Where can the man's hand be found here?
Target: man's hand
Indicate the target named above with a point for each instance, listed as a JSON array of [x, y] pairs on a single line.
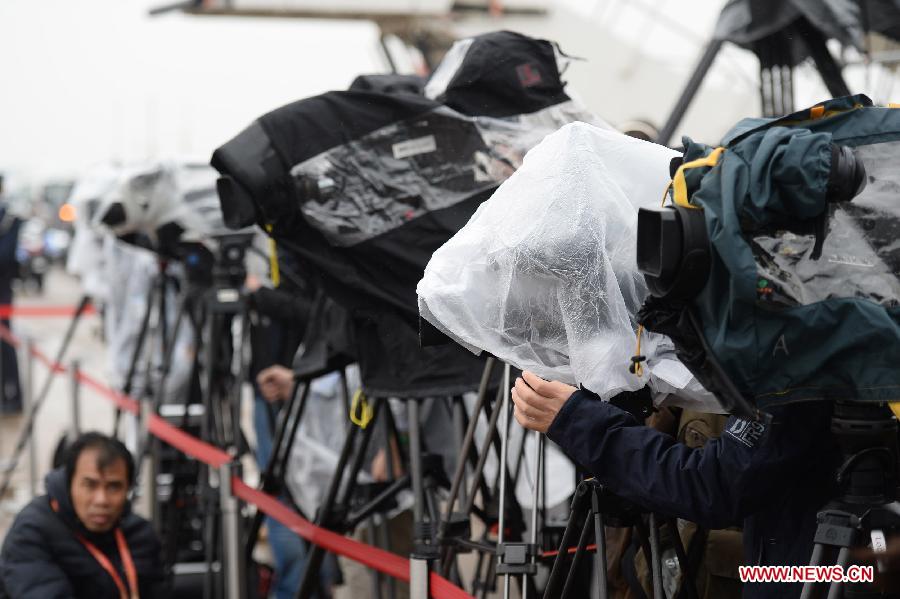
[[538, 401], [275, 383]]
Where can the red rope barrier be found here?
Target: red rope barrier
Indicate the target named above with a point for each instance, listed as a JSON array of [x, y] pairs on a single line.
[[36, 311], [373, 557]]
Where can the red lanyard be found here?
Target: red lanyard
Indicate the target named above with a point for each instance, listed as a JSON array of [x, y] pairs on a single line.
[[127, 563]]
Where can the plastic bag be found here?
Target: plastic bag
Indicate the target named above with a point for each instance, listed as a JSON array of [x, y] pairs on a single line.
[[544, 274]]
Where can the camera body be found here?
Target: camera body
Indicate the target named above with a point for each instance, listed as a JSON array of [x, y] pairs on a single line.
[[789, 291]]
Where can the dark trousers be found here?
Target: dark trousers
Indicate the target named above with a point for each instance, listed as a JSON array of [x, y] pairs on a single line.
[[10, 390]]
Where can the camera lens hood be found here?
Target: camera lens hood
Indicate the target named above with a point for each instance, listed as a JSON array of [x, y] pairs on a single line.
[[673, 251]]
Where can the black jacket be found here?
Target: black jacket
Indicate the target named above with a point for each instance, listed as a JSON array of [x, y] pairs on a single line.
[[41, 557], [771, 479]]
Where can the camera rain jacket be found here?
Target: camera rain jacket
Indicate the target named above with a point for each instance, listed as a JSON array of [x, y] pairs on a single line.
[[42, 556], [785, 322], [771, 478]]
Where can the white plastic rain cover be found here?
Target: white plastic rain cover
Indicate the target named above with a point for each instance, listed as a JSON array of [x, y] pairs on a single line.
[[544, 274]]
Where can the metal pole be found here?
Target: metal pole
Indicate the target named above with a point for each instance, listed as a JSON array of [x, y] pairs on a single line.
[[502, 466], [231, 534], [76, 399], [29, 403], [418, 567], [146, 412], [538, 467], [459, 426], [690, 90], [655, 558], [600, 554]]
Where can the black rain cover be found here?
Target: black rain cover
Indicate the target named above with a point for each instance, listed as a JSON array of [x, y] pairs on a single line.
[[364, 186]]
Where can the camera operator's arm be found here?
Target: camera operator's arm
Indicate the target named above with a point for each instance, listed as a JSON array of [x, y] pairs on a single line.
[[275, 383], [716, 486]]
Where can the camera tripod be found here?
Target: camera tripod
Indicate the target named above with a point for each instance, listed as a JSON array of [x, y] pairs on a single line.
[[347, 504], [212, 306], [593, 509], [867, 508], [498, 505]]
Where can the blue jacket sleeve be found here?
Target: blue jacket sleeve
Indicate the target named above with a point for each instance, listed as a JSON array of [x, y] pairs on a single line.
[[715, 486]]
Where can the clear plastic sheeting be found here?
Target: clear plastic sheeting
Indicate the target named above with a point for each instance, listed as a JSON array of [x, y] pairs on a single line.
[[377, 183], [544, 274], [86, 258], [135, 270], [861, 253], [152, 196]]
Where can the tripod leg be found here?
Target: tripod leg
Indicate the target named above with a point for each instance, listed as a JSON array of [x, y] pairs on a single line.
[[536, 495], [655, 558], [419, 562], [146, 442], [459, 428], [600, 553], [504, 431], [836, 591], [687, 578], [384, 539], [135, 355], [457, 488], [272, 479], [478, 473], [310, 580], [818, 554], [579, 552], [377, 577], [488, 583], [579, 505]]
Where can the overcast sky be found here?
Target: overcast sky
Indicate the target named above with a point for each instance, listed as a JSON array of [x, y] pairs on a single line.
[[91, 80], [88, 81]]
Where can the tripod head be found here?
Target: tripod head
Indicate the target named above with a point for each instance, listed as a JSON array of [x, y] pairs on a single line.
[[865, 507], [867, 435]]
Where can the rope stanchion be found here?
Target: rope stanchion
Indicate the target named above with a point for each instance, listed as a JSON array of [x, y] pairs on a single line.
[[374, 557]]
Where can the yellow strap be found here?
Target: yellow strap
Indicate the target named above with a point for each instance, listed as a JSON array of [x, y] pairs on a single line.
[[666, 194], [361, 412], [893, 105], [638, 367], [273, 263], [818, 112], [274, 272], [895, 408], [680, 185]]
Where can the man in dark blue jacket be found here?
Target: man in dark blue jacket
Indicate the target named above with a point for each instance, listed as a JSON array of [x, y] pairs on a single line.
[[81, 539], [769, 478], [10, 392]]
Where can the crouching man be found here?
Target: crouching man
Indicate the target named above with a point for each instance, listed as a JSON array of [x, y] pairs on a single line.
[[81, 539]]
